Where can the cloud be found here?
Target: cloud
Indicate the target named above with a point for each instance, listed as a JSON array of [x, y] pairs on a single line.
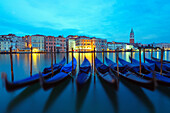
[[110, 19]]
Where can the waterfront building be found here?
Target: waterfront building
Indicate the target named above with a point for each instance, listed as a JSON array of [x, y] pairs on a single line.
[[122, 46], [37, 42], [110, 46], [20, 44], [87, 44], [72, 36], [9, 36], [16, 42], [5, 44], [83, 43], [26, 40], [50, 43], [60, 44], [161, 45], [132, 36], [99, 44], [71, 42]]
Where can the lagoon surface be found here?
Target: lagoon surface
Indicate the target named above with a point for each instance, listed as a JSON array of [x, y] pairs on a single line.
[[65, 98]]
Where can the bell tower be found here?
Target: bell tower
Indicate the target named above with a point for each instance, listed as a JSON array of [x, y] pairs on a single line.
[[132, 36]]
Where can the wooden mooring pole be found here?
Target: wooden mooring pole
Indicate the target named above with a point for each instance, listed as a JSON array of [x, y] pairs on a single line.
[[31, 63], [94, 60], [144, 55], [131, 54], [72, 62], [140, 70], [52, 62], [162, 52], [152, 52], [91, 62], [67, 51], [103, 55], [12, 73], [117, 57], [79, 58], [55, 55]]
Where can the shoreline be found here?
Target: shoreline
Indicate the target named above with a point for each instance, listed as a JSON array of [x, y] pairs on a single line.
[[71, 51]]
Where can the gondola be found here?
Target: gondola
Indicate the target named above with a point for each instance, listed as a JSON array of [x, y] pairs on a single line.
[[165, 67], [158, 60], [161, 80], [58, 78], [150, 67], [132, 77], [55, 66], [134, 67], [104, 73], [84, 74], [12, 86]]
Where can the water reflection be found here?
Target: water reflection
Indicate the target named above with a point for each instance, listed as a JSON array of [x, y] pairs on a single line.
[[140, 95], [26, 93], [55, 93], [81, 95], [112, 94], [77, 101], [164, 90]]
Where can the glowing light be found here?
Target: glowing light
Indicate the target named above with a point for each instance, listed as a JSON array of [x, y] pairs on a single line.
[[35, 50], [165, 55], [157, 54]]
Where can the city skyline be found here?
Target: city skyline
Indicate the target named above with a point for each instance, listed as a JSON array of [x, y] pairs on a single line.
[[111, 20]]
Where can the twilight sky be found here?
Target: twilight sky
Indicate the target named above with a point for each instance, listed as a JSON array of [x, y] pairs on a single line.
[[109, 19]]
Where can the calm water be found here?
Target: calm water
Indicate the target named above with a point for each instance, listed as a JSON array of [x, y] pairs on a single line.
[[65, 99]]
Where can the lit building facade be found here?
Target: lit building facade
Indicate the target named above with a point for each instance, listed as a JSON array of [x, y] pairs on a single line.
[[71, 42], [37, 42], [122, 46], [99, 44], [87, 44], [83, 43]]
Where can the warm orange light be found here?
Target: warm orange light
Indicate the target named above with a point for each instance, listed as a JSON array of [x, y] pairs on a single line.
[[35, 50]]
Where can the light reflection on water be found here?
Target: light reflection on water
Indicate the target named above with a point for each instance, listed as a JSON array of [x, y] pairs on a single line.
[[97, 97]]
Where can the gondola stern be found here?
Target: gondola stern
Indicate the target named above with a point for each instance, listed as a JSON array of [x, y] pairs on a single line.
[[117, 84], [7, 84], [42, 81], [155, 84]]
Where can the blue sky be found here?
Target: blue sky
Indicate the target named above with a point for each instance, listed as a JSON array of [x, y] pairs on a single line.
[[109, 19]]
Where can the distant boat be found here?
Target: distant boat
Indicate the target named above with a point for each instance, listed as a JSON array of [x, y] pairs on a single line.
[[165, 67], [131, 77], [158, 60], [64, 74], [12, 86], [161, 80], [84, 73], [151, 67], [105, 74]]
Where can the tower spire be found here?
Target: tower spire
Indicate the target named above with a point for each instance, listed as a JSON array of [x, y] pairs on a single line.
[[131, 30]]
